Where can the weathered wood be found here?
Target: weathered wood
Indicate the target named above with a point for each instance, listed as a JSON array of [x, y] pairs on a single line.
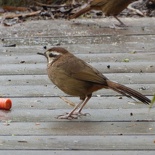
[[51, 90], [99, 115], [114, 126], [31, 58], [111, 102], [75, 152], [73, 128], [126, 42], [78, 142], [124, 78], [106, 48], [116, 67], [80, 28]]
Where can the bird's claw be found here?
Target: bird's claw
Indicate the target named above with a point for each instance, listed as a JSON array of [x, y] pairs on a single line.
[[118, 26], [70, 116]]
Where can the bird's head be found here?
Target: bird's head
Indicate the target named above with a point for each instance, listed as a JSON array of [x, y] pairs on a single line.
[[54, 53]]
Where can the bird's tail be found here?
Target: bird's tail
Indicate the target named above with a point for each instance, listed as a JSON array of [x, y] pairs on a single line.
[[79, 13], [127, 92]]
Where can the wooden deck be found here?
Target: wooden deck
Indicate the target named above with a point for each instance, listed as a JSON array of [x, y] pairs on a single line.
[[114, 126]]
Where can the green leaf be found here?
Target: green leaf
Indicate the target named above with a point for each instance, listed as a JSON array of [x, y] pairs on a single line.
[[126, 60], [133, 52], [152, 101]]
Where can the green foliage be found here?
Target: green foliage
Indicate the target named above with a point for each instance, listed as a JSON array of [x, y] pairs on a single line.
[[152, 101]]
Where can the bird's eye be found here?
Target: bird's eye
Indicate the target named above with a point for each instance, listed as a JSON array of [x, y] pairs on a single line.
[[52, 55]]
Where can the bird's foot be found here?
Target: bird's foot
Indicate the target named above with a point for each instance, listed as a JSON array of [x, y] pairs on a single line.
[[74, 115], [119, 26], [67, 116], [78, 113]]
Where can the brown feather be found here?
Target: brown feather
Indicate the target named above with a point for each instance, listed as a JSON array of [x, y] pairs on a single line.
[[108, 7], [127, 91]]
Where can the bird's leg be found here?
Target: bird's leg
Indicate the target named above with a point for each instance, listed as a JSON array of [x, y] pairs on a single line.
[[75, 113], [84, 103], [118, 26], [121, 23], [72, 114]]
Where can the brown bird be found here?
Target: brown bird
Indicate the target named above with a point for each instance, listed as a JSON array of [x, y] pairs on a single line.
[[109, 7], [75, 77]]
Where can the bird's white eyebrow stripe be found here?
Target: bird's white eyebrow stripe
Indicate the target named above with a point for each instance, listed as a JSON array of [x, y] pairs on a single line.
[[55, 52]]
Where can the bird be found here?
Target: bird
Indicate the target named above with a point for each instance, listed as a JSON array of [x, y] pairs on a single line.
[[77, 78], [109, 7]]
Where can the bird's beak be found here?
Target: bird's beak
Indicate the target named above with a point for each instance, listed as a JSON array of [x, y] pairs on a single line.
[[41, 53], [44, 54]]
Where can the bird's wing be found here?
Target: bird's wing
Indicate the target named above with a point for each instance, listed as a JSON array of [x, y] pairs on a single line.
[[82, 71]]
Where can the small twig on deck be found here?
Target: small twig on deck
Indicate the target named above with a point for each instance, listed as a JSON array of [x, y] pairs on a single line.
[[135, 10], [22, 15], [67, 101], [13, 8]]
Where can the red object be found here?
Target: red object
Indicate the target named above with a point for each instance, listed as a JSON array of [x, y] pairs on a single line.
[[5, 103]]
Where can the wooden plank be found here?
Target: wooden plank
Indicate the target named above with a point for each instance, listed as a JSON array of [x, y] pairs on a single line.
[[125, 42], [72, 128], [124, 78], [116, 67], [137, 143], [81, 27], [114, 126], [52, 91], [75, 152], [78, 33], [99, 115], [32, 58], [41, 103], [112, 47]]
